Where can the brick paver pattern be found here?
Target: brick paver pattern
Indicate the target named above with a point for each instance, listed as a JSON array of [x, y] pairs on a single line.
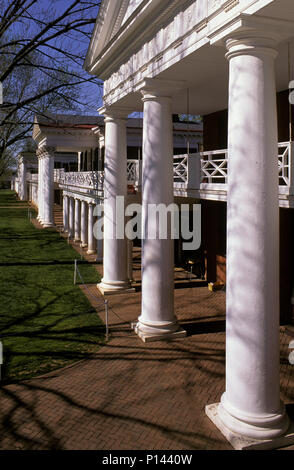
[[132, 395]]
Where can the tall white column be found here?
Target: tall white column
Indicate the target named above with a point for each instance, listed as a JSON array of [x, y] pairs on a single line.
[[48, 187], [91, 238], [79, 161], [99, 247], [115, 277], [157, 312], [251, 404], [84, 224], [71, 217], [40, 181], [77, 220], [23, 179], [65, 213]]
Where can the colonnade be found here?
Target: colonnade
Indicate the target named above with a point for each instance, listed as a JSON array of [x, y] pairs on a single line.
[[78, 222], [251, 405]]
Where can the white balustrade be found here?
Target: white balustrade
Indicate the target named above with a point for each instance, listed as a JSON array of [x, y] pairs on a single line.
[[204, 172], [83, 179], [58, 174], [134, 172], [214, 167]]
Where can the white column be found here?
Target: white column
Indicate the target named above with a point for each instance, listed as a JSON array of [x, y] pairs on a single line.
[[71, 217], [79, 161], [99, 246], [115, 277], [157, 315], [251, 404], [48, 187], [65, 213], [23, 179], [84, 224], [40, 180], [77, 223], [91, 238]]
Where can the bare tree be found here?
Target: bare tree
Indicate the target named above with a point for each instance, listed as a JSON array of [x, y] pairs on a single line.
[[42, 49]]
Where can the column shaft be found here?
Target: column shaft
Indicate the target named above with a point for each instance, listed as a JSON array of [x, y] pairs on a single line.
[[48, 189], [71, 217], [84, 224], [77, 223], [115, 276], [23, 180], [65, 213], [157, 314], [251, 404], [40, 192], [91, 238]]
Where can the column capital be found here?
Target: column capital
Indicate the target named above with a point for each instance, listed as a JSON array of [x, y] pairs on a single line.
[[254, 42], [153, 88], [112, 113], [45, 151]]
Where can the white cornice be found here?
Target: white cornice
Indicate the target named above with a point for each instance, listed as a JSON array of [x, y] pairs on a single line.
[[145, 19], [281, 29]]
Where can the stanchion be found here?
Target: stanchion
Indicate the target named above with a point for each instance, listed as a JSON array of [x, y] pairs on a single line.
[[75, 273]]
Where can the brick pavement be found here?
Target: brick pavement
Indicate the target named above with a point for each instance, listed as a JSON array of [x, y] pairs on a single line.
[[132, 395]]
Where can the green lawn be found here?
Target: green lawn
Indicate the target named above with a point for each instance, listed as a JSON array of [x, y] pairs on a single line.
[[45, 321]]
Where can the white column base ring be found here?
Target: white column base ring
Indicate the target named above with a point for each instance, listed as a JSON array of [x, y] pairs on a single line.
[[160, 327], [114, 287], [266, 426]]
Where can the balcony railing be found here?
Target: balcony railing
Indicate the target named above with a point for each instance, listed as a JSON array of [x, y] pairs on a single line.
[[134, 168], [202, 175], [58, 174], [92, 180], [210, 169]]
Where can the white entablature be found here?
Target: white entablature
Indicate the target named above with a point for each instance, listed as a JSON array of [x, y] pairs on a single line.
[[66, 133], [179, 40]]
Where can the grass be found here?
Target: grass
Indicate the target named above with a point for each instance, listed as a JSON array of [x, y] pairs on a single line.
[[46, 322]]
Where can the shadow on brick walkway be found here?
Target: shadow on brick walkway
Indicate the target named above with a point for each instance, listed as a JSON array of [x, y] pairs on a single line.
[[132, 395]]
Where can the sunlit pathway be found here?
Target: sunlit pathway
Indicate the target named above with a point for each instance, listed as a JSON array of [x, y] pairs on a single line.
[[132, 395]]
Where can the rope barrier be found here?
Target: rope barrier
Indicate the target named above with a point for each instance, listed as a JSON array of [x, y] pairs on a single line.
[[104, 302]]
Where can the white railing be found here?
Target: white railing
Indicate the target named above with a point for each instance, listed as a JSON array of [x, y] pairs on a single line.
[[58, 174], [284, 162], [83, 179], [201, 173], [186, 171], [214, 167], [209, 170], [134, 172], [180, 168], [33, 177]]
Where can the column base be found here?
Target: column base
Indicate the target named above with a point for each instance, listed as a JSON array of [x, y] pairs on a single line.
[[162, 331], [83, 245], [241, 442], [115, 287], [91, 252], [77, 240], [48, 224]]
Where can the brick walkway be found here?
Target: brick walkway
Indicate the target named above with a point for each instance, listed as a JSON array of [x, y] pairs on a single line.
[[132, 395]]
